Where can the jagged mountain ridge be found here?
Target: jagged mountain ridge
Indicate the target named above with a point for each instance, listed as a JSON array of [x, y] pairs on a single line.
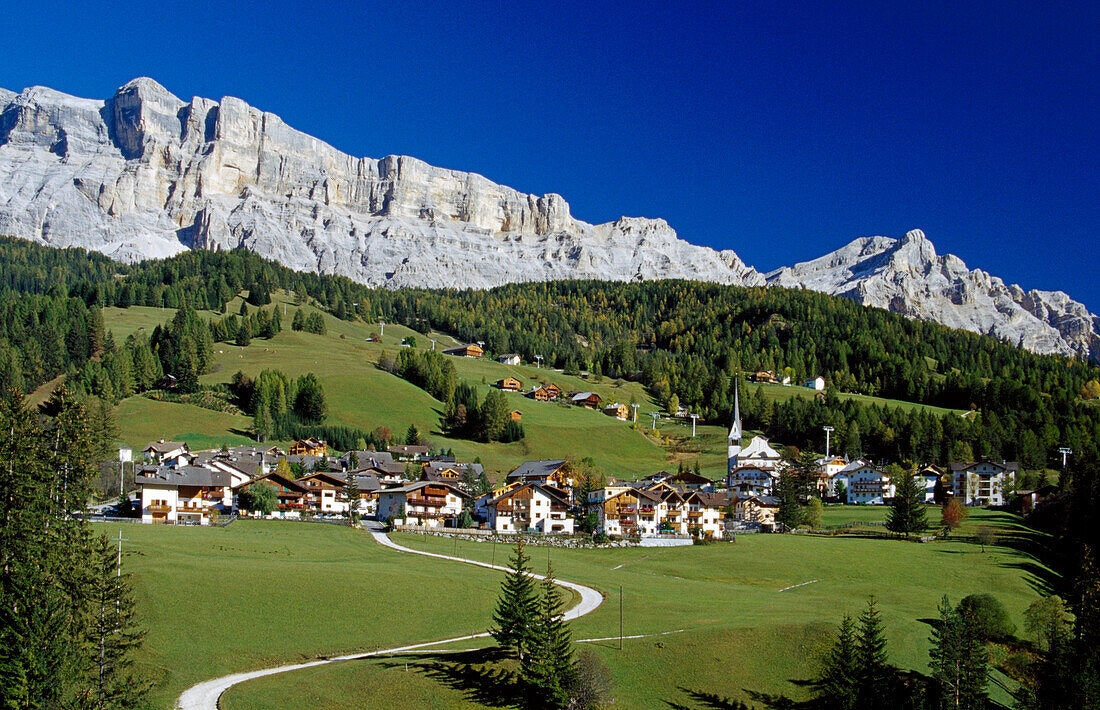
[[145, 174], [907, 276]]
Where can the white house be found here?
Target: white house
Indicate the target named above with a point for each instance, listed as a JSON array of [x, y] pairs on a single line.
[[752, 480], [530, 507], [427, 503], [817, 383], [867, 484], [509, 359], [927, 478], [983, 482], [183, 494]]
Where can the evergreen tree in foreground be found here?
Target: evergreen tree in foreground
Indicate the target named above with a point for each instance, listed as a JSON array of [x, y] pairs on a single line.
[[874, 675], [907, 514], [959, 661], [549, 670], [517, 606], [836, 686]]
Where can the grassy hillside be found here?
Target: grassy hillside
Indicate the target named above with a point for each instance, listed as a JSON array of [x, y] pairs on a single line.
[[259, 593], [361, 395], [743, 627]]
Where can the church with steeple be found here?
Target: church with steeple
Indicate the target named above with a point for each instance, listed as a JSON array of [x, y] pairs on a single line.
[[754, 468], [734, 449]]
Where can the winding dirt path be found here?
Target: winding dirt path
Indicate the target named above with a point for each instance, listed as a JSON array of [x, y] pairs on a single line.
[[204, 696]]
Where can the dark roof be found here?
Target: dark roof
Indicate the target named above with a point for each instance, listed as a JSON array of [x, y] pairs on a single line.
[[690, 477], [408, 449], [183, 476], [417, 485], [713, 500], [537, 469], [548, 491], [956, 466], [367, 482]]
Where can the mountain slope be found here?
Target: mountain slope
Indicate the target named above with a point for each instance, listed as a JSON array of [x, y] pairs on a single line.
[[907, 276], [145, 174]]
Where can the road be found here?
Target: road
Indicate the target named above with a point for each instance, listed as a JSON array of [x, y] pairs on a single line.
[[204, 696]]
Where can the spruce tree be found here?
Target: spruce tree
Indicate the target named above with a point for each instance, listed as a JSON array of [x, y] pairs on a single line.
[[112, 633], [907, 514], [835, 687], [873, 672], [788, 490], [946, 655], [549, 669], [517, 607]]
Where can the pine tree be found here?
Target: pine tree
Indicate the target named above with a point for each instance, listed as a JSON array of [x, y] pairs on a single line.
[[907, 514], [517, 606], [946, 655], [788, 490], [873, 673], [549, 667], [351, 493], [299, 320], [836, 685], [112, 633]]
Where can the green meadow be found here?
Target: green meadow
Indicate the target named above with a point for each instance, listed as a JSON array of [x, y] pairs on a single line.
[[359, 394], [258, 594]]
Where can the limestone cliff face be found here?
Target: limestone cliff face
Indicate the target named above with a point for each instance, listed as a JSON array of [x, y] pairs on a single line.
[[907, 276], [145, 174]]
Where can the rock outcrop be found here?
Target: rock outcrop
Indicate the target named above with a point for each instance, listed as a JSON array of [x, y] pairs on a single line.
[[145, 174], [907, 276]]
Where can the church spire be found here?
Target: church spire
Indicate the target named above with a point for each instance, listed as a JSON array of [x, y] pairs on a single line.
[[734, 448]]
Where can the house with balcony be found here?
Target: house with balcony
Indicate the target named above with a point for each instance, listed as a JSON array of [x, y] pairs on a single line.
[[936, 483], [865, 483], [588, 400], [408, 452], [618, 410], [983, 482], [325, 492], [510, 384], [548, 471], [756, 509], [531, 507], [424, 503], [706, 513], [290, 495], [471, 350], [628, 511], [751, 480], [309, 447], [183, 494]]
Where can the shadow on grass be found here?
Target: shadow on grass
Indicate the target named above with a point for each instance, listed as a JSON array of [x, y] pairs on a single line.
[[476, 674], [706, 701], [1034, 554]]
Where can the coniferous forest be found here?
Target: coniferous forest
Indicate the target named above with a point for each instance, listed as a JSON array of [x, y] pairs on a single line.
[[688, 343]]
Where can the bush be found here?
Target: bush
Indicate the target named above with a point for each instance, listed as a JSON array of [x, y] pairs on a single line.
[[986, 617]]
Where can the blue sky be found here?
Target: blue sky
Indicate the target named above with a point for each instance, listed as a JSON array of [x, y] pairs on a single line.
[[780, 131]]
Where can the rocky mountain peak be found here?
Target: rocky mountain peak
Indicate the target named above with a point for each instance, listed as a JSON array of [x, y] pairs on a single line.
[[145, 174]]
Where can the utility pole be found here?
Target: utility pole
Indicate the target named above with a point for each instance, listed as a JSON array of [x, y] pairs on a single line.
[[635, 408], [656, 416], [828, 430], [433, 345], [118, 566], [124, 455], [538, 361], [693, 418], [383, 324], [1065, 451]]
